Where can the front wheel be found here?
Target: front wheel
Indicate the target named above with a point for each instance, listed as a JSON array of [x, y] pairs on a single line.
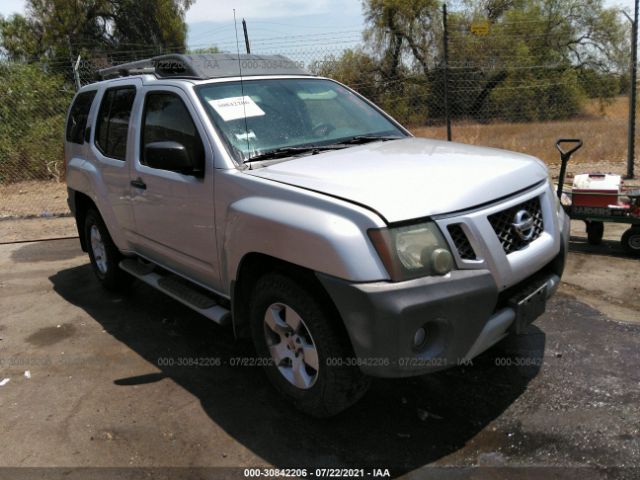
[[306, 353], [631, 241], [103, 253]]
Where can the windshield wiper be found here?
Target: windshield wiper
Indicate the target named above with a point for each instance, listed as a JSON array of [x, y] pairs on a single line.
[[289, 151], [360, 139], [313, 149]]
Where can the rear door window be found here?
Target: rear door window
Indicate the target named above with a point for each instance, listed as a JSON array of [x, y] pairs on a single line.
[[113, 122], [78, 116]]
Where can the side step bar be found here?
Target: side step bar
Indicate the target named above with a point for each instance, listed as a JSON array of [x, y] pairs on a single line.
[[178, 289]]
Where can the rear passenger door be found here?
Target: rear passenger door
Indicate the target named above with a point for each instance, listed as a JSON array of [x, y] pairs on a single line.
[[174, 210], [112, 147]]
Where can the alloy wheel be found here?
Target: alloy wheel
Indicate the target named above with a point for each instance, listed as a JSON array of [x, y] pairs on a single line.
[[291, 345]]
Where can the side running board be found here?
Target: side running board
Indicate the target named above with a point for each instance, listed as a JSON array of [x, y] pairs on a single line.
[[178, 289]]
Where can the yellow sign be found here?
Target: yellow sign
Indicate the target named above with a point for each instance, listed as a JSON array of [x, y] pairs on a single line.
[[480, 28]]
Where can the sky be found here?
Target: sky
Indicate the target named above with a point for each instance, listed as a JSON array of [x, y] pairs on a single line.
[[324, 21], [268, 21]]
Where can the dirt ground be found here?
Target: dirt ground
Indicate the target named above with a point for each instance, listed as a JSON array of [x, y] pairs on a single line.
[[603, 276], [30, 229], [33, 199], [563, 398]]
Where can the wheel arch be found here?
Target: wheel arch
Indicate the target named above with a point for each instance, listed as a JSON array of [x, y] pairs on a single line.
[[255, 265], [82, 203]]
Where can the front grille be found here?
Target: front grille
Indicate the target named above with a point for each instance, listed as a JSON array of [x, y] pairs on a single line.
[[465, 250], [502, 223]]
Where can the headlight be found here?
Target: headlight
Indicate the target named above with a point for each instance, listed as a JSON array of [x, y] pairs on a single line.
[[412, 251]]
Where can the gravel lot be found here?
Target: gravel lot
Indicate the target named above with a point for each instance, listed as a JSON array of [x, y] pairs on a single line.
[[564, 398]]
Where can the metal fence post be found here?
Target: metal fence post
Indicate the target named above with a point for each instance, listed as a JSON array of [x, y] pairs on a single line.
[[632, 95], [74, 65], [76, 73], [447, 112]]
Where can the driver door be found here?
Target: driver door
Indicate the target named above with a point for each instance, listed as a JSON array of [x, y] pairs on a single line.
[[173, 211]]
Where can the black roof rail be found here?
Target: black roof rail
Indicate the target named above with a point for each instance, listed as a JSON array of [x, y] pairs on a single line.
[[205, 66]]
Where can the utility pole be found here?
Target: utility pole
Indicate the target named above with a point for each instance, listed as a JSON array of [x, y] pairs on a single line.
[[631, 141], [246, 36], [447, 113]]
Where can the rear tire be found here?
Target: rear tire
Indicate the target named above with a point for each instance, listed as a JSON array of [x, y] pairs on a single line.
[[631, 241], [103, 253], [595, 232], [304, 352]]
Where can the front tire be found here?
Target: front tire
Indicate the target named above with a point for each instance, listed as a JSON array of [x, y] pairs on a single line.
[[103, 253], [306, 353]]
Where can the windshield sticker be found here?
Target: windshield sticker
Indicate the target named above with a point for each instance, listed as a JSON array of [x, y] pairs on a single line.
[[233, 108]]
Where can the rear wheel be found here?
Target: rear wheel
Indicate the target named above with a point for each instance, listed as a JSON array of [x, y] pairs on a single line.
[[631, 241], [595, 232], [103, 253], [304, 351]]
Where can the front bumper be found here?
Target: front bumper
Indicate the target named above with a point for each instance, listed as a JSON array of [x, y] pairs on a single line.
[[463, 314]]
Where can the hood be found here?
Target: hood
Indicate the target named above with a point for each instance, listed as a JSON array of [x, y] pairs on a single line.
[[411, 178]]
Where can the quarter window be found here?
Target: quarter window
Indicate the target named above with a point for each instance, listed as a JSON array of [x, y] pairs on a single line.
[[78, 115], [113, 122], [166, 119]]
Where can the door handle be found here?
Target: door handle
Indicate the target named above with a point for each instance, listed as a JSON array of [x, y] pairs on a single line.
[[138, 183]]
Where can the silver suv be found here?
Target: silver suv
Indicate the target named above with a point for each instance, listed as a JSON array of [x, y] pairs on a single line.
[[298, 212]]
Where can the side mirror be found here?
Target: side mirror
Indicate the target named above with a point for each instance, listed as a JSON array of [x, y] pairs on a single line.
[[168, 156]]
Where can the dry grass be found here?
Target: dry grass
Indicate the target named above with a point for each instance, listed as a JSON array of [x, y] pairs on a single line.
[[603, 128]]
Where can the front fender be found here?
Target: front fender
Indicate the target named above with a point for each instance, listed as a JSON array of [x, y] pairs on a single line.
[[308, 236]]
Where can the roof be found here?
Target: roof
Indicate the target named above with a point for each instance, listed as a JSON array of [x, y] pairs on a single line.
[[206, 66]]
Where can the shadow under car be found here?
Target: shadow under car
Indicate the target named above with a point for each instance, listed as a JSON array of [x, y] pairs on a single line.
[[401, 424]]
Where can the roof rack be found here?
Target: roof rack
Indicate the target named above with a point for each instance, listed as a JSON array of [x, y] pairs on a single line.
[[206, 66]]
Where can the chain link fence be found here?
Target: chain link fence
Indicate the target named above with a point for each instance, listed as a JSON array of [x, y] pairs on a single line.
[[32, 110], [501, 101]]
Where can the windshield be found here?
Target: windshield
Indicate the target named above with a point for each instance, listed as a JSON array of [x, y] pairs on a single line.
[[279, 114]]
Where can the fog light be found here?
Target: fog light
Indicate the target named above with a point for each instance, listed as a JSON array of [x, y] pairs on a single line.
[[441, 261], [419, 337]]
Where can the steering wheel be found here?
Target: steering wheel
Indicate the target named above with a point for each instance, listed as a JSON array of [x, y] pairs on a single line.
[[322, 130]]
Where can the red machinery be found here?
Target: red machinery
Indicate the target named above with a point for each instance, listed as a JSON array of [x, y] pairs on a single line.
[[597, 198]]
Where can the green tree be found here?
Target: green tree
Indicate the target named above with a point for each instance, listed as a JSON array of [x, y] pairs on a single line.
[[396, 28], [354, 68], [18, 38], [544, 49], [403, 97], [32, 113], [90, 27], [156, 23]]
